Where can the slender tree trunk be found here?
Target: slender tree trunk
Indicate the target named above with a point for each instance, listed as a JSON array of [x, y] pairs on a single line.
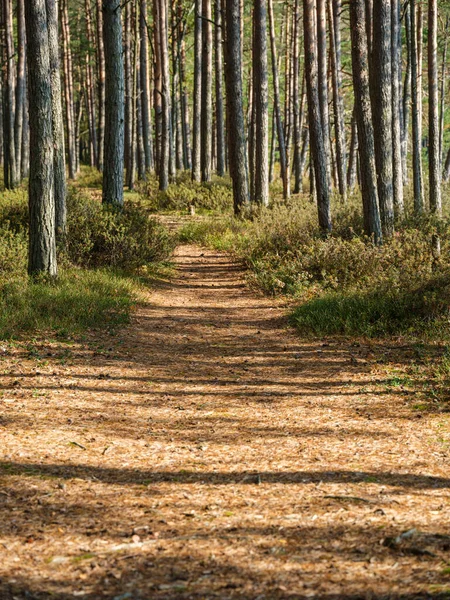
[[59, 159], [261, 90], [68, 90], [220, 133], [381, 78], [145, 87], [363, 113], [442, 93], [115, 103], [185, 120], [318, 151], [20, 86], [237, 147], [352, 160], [406, 95], [12, 179], [206, 98], [196, 144], [416, 118], [165, 124], [433, 114], [295, 98], [42, 239], [396, 108], [323, 82], [277, 106], [334, 9], [100, 85], [92, 119]]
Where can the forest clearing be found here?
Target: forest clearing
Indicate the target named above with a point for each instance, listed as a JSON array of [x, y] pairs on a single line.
[[224, 299]]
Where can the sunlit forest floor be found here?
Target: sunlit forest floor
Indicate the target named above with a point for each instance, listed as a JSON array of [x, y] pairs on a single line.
[[206, 450]]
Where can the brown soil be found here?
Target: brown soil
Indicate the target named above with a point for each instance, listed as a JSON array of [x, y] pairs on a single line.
[[207, 451]]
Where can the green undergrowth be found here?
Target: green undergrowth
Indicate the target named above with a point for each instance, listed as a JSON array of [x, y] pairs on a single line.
[[105, 260], [182, 194], [343, 284]]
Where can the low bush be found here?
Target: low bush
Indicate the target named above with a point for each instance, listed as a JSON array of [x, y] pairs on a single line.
[[127, 239], [213, 196]]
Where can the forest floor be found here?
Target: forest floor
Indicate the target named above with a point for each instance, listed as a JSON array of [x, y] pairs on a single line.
[[206, 451]]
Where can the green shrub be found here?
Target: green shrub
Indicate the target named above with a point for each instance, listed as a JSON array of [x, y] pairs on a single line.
[[79, 299], [127, 239], [212, 196]]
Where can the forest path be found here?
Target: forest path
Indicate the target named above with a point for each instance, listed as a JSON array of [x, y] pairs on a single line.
[[207, 451]]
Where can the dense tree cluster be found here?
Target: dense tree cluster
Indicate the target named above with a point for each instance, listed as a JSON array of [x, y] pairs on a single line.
[[344, 94]]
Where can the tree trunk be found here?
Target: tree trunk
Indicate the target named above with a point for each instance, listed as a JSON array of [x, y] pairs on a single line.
[[196, 143], [363, 113], [433, 114], [20, 87], [277, 106], [101, 85], [261, 91], [68, 90], [406, 95], [165, 77], [220, 133], [381, 78], [237, 147], [416, 118], [396, 108], [42, 240], [145, 87], [115, 103], [334, 9], [323, 82], [59, 159], [317, 146], [206, 98], [11, 175]]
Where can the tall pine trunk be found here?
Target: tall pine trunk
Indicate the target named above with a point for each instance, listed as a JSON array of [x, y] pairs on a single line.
[[237, 146], [363, 114], [42, 238], [317, 145], [114, 105]]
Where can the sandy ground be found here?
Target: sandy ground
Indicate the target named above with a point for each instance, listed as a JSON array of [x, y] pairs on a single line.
[[206, 451]]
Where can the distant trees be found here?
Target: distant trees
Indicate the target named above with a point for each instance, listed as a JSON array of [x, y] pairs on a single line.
[[159, 87]]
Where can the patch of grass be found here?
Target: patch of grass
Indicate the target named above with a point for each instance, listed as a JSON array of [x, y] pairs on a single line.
[[107, 255], [78, 300]]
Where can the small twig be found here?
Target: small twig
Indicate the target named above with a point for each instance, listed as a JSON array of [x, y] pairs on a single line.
[[78, 445]]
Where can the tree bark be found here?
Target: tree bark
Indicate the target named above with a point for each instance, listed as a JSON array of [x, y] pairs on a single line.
[[317, 146], [237, 147], [334, 8], [114, 105], [261, 91], [381, 78], [416, 118], [42, 239], [396, 111], [59, 158], [363, 113], [206, 98], [433, 113], [277, 106], [196, 143], [220, 133]]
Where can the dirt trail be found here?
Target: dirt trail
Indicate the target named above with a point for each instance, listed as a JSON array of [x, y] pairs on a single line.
[[207, 452]]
